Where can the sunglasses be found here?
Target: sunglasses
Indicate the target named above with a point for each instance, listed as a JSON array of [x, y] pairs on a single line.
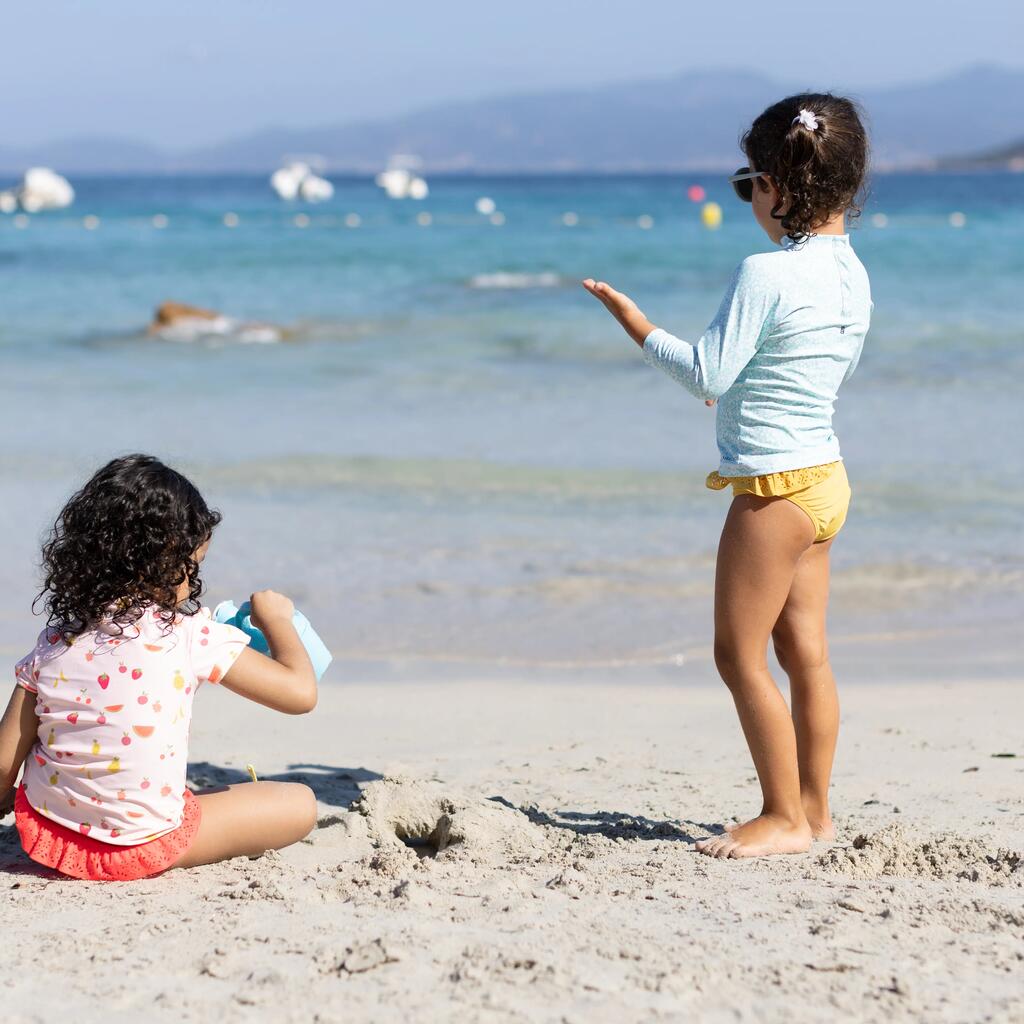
[[743, 183]]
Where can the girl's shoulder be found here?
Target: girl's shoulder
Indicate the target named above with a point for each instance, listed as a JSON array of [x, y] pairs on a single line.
[[48, 645], [762, 274]]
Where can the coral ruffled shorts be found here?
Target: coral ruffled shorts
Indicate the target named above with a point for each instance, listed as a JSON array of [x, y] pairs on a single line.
[[70, 853]]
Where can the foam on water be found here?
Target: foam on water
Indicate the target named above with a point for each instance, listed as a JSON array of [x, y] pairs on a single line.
[[507, 280]]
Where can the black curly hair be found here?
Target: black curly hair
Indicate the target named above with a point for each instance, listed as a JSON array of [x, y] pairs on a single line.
[[124, 542], [818, 172]]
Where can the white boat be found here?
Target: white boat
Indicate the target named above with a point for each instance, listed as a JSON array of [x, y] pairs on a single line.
[[315, 189], [39, 189], [296, 180], [399, 181]]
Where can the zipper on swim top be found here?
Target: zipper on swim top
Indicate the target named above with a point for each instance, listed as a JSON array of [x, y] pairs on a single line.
[[844, 292]]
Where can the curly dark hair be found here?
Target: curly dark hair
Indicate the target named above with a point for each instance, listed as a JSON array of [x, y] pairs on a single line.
[[124, 542], [818, 172]]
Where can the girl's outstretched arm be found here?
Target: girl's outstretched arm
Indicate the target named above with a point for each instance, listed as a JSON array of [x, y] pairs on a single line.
[[710, 367], [623, 308], [285, 681], [18, 731]]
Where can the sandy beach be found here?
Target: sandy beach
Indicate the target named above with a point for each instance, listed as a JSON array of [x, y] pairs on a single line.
[[567, 889], [329, 268]]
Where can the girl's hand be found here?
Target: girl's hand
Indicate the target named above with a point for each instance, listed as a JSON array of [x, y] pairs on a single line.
[[623, 308], [269, 607], [285, 681]]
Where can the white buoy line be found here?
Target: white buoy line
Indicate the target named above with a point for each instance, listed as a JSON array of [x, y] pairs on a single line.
[[956, 219], [485, 209]]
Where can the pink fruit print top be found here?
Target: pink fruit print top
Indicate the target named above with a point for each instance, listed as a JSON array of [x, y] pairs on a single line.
[[114, 711]]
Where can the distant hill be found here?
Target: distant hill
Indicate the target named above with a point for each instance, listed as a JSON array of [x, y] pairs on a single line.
[[90, 154], [687, 121], [1010, 158]]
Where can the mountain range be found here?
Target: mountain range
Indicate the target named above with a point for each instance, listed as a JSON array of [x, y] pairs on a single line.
[[688, 121]]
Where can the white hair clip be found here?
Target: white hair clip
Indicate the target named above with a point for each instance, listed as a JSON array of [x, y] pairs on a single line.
[[807, 119]]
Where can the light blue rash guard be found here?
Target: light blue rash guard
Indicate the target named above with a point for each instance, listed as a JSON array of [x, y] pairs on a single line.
[[789, 331]]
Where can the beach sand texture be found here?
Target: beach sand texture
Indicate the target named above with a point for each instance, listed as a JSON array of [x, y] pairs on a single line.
[[565, 888]]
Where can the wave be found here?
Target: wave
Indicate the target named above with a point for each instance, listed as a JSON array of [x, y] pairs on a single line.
[[220, 328], [455, 477], [509, 280]]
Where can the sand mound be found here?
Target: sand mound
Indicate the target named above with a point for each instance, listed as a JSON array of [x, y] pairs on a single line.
[[435, 820], [890, 852]]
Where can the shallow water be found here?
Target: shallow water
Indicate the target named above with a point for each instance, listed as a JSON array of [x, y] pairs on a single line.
[[457, 455]]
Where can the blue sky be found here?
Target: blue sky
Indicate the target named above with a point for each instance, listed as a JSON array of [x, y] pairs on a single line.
[[197, 71]]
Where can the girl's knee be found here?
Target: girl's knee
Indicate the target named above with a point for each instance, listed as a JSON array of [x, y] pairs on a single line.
[[303, 802], [797, 654], [292, 807], [725, 659], [734, 666]]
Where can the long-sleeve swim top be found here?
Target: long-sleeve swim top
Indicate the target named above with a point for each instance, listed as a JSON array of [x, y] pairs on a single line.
[[789, 332]]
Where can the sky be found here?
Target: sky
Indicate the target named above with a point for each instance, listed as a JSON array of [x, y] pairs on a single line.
[[193, 72]]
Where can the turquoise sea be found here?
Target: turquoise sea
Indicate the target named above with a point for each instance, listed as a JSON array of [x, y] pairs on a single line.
[[456, 458]]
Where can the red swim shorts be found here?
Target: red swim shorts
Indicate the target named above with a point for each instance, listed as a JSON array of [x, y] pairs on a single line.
[[70, 853]]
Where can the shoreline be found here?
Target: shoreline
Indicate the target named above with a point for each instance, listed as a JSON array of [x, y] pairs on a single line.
[[590, 906]]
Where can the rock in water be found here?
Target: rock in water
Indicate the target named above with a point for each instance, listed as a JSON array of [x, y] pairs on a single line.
[[169, 314], [178, 321]]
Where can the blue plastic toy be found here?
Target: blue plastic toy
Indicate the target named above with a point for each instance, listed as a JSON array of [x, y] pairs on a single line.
[[240, 617]]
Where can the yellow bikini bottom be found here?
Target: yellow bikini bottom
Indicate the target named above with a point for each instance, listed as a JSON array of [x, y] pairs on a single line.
[[823, 492]]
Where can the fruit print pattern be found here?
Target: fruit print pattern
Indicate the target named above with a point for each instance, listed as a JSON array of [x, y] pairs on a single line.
[[114, 716]]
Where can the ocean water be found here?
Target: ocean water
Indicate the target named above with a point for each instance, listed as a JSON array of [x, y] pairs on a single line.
[[457, 458]]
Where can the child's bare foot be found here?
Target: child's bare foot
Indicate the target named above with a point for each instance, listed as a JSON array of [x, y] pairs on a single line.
[[818, 818], [821, 827], [762, 836], [820, 821], [816, 812]]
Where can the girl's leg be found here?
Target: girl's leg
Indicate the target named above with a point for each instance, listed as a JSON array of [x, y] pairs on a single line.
[[802, 649], [761, 546], [249, 819]]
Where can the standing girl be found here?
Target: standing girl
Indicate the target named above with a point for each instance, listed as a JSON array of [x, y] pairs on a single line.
[[789, 332], [101, 711]]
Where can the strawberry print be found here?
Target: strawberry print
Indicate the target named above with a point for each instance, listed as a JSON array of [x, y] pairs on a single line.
[[75, 772]]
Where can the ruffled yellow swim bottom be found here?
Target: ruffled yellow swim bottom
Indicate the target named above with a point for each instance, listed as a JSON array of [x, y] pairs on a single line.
[[823, 492]]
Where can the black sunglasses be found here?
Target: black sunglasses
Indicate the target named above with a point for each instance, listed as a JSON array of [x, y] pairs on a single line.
[[743, 183]]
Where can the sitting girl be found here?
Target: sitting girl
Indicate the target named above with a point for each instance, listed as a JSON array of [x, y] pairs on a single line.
[[789, 332], [101, 712]]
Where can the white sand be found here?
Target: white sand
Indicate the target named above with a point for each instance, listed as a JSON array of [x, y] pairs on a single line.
[[592, 907]]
